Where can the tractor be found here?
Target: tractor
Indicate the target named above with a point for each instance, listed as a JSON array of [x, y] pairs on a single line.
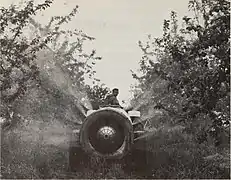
[[108, 133]]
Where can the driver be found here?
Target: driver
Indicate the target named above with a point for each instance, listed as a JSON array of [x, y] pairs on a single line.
[[111, 99]]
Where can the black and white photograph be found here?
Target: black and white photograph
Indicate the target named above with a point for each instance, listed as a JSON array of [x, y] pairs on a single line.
[[115, 89]]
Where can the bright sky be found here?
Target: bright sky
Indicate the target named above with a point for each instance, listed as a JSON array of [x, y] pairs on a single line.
[[117, 26]]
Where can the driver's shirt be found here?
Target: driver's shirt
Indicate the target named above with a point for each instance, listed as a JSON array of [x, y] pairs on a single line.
[[111, 100]]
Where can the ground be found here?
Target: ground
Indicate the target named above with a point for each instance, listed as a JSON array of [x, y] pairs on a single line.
[[40, 150]]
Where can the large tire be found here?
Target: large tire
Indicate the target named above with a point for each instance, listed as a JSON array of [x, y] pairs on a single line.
[[107, 133]]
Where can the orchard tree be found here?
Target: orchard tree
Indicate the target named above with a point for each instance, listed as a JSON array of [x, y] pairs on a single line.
[[192, 64], [66, 57], [23, 43], [18, 54], [97, 94], [67, 49]]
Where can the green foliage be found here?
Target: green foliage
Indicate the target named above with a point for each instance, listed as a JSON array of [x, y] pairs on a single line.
[[65, 62], [97, 94], [17, 53], [67, 49], [187, 69], [41, 56]]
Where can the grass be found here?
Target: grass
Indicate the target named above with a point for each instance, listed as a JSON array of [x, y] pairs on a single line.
[[28, 153], [174, 154]]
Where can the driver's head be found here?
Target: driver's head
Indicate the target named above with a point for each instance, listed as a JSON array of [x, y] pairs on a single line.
[[115, 91]]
